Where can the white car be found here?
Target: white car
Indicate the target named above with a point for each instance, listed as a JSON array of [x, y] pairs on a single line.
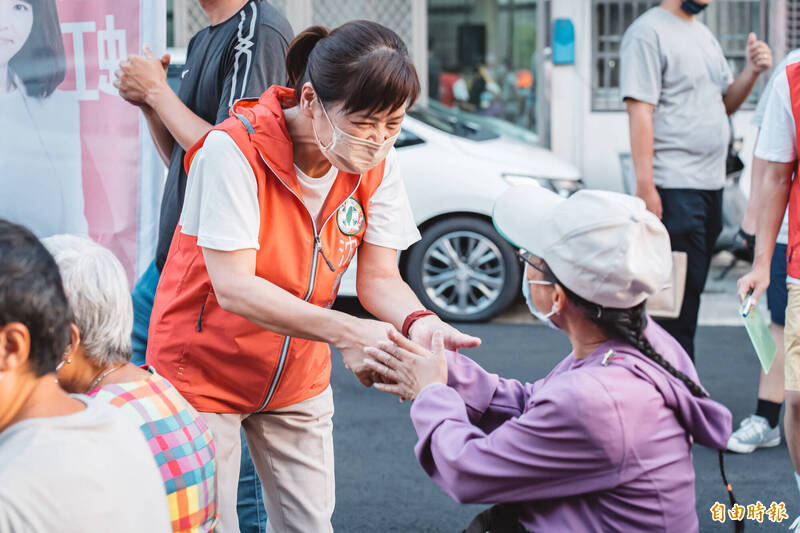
[[455, 165]]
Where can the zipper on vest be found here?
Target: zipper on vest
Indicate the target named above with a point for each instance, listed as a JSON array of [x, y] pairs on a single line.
[[322, 252], [311, 282], [285, 347]]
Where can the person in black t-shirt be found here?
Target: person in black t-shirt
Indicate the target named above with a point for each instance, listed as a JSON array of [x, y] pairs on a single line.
[[239, 55]]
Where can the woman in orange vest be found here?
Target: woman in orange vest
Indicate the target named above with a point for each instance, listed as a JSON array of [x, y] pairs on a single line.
[[279, 198]]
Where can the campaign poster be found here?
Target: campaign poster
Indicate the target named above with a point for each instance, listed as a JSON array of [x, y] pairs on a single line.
[[74, 157]]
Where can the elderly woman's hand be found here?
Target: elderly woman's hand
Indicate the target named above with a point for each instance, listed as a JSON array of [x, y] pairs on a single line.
[[406, 367]]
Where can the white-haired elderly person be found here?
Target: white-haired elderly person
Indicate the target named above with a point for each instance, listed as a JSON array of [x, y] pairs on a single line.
[[98, 364]]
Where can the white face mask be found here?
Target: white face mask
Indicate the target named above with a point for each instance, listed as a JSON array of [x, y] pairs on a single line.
[[544, 318], [349, 153]]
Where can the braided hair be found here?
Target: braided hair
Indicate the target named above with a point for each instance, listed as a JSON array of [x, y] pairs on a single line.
[[628, 325]]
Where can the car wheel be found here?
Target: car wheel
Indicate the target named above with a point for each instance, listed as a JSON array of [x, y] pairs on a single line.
[[463, 270]]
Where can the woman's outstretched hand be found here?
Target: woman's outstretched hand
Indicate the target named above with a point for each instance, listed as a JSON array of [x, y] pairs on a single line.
[[406, 367], [422, 330]]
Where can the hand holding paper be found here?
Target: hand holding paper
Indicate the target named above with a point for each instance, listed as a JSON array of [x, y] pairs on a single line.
[[758, 331]]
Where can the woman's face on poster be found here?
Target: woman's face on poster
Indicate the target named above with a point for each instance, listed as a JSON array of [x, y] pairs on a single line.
[[16, 20]]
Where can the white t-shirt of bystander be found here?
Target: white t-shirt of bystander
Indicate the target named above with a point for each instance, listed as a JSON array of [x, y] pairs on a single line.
[[758, 118], [86, 472], [777, 140], [221, 203]]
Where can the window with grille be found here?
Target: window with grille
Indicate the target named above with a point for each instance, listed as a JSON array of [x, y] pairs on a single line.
[[730, 21], [792, 24]]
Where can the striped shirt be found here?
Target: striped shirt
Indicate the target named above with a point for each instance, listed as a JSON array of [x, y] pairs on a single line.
[[181, 443]]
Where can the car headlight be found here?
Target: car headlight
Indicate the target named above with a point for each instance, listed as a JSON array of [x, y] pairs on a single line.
[[562, 187]]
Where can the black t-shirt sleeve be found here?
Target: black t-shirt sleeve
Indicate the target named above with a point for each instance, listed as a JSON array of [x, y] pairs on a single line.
[[253, 63]]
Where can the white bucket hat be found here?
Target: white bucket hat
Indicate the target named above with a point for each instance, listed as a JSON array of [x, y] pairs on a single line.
[[605, 247]]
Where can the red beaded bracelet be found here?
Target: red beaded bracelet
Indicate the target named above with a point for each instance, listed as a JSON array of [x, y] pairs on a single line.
[[413, 317]]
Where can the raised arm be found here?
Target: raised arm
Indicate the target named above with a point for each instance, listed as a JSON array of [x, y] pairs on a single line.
[[127, 83], [759, 58]]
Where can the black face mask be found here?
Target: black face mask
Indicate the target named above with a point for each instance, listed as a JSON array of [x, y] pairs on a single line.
[[692, 7]]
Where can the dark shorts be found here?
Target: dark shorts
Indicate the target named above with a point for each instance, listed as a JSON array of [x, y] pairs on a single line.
[[777, 295]]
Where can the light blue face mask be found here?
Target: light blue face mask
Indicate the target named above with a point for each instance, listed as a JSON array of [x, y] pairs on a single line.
[[526, 291]]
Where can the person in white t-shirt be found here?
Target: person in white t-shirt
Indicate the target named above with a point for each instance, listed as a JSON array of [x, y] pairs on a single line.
[[279, 199], [68, 463], [760, 430], [777, 146]]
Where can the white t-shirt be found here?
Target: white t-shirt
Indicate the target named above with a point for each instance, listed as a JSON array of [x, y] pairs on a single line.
[[758, 119], [88, 472], [221, 203], [777, 139], [315, 191]]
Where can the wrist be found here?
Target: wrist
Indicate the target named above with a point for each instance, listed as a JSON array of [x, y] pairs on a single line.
[[155, 95], [761, 265], [412, 319], [645, 186], [750, 237], [341, 329], [750, 71], [429, 386]]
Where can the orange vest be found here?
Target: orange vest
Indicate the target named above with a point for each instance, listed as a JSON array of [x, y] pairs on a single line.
[[793, 250], [224, 363]]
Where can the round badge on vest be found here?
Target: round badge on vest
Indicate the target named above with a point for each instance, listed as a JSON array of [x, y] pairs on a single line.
[[350, 217]]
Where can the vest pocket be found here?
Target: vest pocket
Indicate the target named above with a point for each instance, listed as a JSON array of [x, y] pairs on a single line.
[[200, 316]]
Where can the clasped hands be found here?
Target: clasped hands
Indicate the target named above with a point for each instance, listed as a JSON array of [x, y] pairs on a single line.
[[138, 76], [396, 365]]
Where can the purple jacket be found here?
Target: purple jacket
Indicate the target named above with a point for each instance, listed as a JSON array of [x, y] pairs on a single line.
[[588, 448]]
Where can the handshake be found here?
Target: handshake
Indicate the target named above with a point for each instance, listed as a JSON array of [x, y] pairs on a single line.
[[379, 355]]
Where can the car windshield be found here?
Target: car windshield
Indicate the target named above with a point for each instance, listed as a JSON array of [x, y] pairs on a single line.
[[448, 122], [497, 125]]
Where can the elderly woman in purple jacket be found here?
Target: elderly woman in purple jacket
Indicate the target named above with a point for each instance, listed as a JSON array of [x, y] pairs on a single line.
[[602, 443]]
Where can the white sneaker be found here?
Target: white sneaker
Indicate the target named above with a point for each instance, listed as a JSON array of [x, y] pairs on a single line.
[[754, 432]]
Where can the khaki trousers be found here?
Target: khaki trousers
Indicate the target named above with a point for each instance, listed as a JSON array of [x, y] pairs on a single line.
[[292, 450], [791, 339]]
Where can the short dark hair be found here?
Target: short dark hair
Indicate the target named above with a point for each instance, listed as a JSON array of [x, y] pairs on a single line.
[[31, 293], [361, 63], [41, 62]]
